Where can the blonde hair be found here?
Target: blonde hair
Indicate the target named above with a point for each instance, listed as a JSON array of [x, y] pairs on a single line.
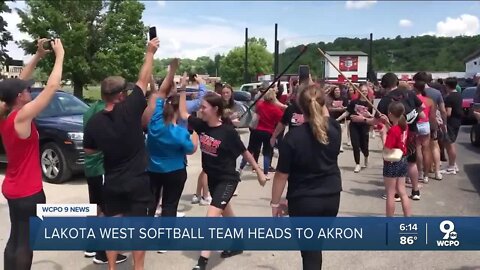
[[270, 96], [311, 100]]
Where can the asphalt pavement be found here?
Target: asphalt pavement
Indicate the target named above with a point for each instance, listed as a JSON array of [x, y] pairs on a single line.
[[454, 196]]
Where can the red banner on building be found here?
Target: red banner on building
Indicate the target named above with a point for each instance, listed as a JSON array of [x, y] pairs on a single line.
[[348, 63]]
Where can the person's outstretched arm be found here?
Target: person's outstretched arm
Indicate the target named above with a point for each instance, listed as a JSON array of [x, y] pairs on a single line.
[[182, 105], [194, 105], [28, 70], [146, 70], [167, 82], [24, 118]]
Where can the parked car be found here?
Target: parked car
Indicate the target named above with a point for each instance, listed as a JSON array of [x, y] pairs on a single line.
[[475, 130], [244, 100], [60, 127], [468, 95]]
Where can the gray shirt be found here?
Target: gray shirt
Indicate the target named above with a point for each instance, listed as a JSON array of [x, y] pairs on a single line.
[[435, 95]]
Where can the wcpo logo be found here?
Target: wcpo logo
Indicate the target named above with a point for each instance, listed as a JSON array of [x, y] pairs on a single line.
[[450, 236]]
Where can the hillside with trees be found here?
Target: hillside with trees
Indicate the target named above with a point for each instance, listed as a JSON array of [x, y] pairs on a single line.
[[398, 54]]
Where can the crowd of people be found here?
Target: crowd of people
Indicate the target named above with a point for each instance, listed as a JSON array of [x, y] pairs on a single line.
[[138, 138]]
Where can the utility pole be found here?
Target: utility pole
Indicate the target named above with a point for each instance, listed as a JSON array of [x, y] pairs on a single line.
[[275, 56], [246, 78]]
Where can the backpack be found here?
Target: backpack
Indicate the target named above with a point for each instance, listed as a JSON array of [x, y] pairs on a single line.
[[411, 112]]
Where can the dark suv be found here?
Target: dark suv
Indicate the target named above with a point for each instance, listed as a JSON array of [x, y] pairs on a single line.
[[60, 127]]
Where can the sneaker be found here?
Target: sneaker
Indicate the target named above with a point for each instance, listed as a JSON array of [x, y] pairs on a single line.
[[357, 168], [205, 201], [161, 251], [456, 167], [425, 180], [180, 214], [101, 258], [199, 267], [195, 199], [415, 195], [438, 176], [230, 253], [397, 197], [341, 149], [365, 164], [420, 175], [449, 171], [89, 254]]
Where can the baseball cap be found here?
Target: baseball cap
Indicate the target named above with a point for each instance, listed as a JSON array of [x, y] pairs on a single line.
[[10, 88], [115, 84]]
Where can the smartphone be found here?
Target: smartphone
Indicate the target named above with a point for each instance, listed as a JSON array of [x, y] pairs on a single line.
[[47, 45], [303, 74], [152, 32]]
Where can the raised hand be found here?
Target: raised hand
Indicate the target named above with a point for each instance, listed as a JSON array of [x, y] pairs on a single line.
[[41, 51], [184, 80], [153, 45], [57, 47], [174, 64]]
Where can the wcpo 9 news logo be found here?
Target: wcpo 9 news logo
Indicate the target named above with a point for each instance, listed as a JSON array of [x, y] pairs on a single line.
[[447, 227]]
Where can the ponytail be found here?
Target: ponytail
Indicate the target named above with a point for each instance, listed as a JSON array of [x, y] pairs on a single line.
[[402, 122], [311, 100]]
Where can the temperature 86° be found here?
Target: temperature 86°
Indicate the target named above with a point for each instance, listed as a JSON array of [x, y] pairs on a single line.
[[408, 240]]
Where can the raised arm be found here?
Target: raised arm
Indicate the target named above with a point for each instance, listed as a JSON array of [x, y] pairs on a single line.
[[26, 114], [28, 70], [146, 70], [167, 82], [182, 105], [194, 105]]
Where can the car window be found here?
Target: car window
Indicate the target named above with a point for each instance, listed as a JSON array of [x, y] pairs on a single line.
[[469, 92], [63, 104]]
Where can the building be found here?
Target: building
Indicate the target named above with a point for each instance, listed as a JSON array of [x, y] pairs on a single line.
[[353, 64], [472, 65], [11, 69]]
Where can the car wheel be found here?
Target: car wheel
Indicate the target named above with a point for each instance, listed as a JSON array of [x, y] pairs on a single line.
[[53, 164], [475, 135]]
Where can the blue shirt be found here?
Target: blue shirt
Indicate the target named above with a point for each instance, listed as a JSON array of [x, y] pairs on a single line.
[[194, 105], [167, 144]]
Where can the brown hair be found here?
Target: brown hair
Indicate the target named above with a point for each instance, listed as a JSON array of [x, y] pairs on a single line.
[[170, 108], [230, 103], [216, 100], [397, 109], [311, 100]]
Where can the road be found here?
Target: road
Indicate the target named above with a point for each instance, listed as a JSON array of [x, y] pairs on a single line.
[[454, 196]]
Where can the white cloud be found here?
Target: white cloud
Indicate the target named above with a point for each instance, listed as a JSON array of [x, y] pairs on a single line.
[[213, 19], [405, 23], [466, 24], [359, 4], [161, 3]]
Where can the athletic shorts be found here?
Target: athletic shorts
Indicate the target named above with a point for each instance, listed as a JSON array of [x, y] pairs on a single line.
[[221, 191], [95, 189], [129, 198], [395, 169], [423, 128], [452, 133]]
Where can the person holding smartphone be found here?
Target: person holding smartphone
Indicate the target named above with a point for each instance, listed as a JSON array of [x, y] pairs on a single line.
[[22, 185]]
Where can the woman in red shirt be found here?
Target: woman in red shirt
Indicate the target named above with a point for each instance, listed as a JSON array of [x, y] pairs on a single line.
[[394, 172], [22, 186], [269, 114]]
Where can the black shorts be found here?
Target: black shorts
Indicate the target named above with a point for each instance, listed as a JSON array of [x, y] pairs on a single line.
[[452, 133], [395, 169], [221, 191], [95, 189], [129, 198]]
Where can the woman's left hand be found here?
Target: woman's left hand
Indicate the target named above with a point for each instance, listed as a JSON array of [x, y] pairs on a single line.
[[277, 211]]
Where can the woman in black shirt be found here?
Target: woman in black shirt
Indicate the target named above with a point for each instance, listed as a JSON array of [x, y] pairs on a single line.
[[220, 145], [337, 105], [308, 160], [359, 130]]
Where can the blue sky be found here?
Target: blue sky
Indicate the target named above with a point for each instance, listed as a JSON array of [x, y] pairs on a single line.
[[196, 28]]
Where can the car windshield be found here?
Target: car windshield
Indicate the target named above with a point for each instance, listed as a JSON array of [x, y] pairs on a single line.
[[63, 104], [469, 92]]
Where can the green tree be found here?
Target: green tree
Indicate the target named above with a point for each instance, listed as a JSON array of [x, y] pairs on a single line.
[[39, 75], [97, 43], [260, 61], [5, 36]]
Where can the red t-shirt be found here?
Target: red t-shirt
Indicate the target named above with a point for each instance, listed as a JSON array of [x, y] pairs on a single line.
[[269, 115], [396, 138], [23, 177], [283, 99]]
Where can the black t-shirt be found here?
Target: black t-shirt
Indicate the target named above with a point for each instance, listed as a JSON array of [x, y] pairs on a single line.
[[220, 147], [119, 135], [408, 98], [340, 100], [359, 107], [454, 101], [312, 167], [292, 116]]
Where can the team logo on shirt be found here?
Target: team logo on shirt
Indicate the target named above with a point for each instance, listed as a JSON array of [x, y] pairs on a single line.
[[297, 119], [361, 110], [209, 145]]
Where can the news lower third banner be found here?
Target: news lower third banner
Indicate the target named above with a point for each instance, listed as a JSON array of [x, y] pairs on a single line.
[[254, 233]]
